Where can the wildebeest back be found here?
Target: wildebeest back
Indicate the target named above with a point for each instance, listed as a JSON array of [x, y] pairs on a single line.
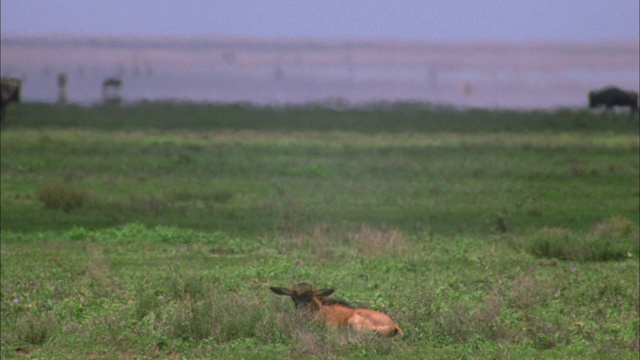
[[613, 96]]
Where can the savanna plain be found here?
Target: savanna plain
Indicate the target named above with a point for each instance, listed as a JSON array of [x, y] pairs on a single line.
[[154, 230]]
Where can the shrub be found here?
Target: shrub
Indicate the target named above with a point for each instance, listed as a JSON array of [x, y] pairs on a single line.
[[616, 227], [527, 292], [612, 239], [34, 330], [61, 196], [374, 242]]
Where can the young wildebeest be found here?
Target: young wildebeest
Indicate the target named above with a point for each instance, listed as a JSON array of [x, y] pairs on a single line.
[[612, 96], [10, 93], [336, 313]]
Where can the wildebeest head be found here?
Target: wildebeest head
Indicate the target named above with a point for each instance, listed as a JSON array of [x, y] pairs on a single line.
[[303, 295]]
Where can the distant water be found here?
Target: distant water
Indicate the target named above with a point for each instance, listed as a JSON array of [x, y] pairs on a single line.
[[486, 75]]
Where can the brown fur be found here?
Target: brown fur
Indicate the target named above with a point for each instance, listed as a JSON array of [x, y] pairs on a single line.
[[337, 313]]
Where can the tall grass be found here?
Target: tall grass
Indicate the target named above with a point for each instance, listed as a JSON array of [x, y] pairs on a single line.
[[155, 297], [612, 239], [60, 196], [156, 230], [280, 170]]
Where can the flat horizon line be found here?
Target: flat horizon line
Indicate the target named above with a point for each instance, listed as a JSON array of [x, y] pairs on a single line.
[[307, 40]]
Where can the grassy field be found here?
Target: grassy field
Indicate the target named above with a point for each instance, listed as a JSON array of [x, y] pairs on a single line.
[[154, 230]]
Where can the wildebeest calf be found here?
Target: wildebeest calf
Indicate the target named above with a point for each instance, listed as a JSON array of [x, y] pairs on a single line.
[[337, 313], [612, 96], [10, 93]]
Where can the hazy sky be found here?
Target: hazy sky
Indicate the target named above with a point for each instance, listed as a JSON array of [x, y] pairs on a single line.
[[455, 20]]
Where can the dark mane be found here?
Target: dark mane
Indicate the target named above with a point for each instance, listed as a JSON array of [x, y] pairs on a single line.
[[327, 301]]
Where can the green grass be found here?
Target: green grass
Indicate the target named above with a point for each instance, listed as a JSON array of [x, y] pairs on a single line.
[[155, 230]]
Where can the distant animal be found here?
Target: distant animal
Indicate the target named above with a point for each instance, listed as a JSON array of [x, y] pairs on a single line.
[[613, 96], [337, 313], [110, 90], [10, 92]]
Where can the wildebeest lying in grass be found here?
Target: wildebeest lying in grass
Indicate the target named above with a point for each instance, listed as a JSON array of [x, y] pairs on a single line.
[[337, 313], [613, 96], [10, 92]]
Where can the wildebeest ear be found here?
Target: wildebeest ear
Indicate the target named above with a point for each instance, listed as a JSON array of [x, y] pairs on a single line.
[[281, 291], [325, 292]]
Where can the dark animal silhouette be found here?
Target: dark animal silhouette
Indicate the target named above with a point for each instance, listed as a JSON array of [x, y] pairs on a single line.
[[110, 90], [613, 96], [10, 92], [337, 313]]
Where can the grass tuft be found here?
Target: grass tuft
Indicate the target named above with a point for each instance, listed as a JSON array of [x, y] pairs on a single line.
[[221, 318], [34, 330], [527, 292], [65, 197], [371, 242], [611, 239]]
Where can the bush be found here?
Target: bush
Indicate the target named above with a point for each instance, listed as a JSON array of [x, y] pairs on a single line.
[[65, 197], [34, 330], [612, 239]]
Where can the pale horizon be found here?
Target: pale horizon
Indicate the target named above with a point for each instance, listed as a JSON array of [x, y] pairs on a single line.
[[496, 53], [287, 71]]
